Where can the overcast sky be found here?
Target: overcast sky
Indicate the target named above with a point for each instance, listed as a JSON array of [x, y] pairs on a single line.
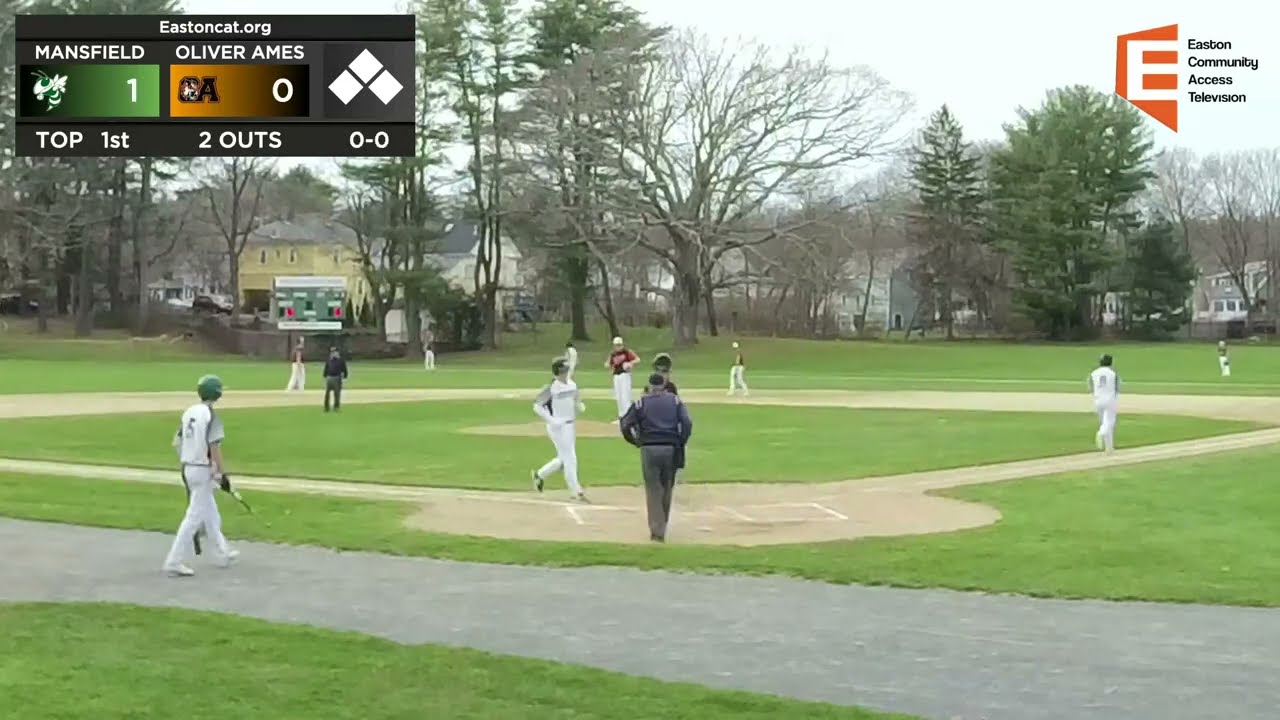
[[984, 58]]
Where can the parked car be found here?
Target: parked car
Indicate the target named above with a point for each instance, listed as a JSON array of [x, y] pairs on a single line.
[[211, 304], [12, 304]]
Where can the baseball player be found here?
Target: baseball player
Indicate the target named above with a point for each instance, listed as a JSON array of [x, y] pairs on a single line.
[[1105, 386], [620, 361], [199, 445], [558, 404], [428, 356], [571, 355], [1224, 363], [298, 375], [737, 373]]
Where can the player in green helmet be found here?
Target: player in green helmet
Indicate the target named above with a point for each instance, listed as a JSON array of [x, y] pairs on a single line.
[[199, 445]]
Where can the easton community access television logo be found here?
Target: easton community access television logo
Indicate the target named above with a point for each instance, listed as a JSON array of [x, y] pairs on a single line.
[[1150, 83]]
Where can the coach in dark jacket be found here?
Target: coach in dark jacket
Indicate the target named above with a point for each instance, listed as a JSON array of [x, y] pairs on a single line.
[[335, 371], [659, 425]]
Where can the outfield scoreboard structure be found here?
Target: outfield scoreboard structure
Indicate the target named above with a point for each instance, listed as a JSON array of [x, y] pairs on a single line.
[[188, 86], [308, 303]]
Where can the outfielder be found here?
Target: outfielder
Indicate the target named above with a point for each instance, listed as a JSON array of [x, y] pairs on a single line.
[[199, 444], [620, 361], [571, 355], [1105, 386], [737, 373], [1224, 363], [558, 404], [298, 374]]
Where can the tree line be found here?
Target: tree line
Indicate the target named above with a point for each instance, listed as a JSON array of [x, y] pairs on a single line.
[[775, 191]]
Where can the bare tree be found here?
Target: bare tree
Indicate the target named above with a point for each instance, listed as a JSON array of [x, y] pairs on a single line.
[[1232, 202], [233, 189], [1263, 169], [708, 135]]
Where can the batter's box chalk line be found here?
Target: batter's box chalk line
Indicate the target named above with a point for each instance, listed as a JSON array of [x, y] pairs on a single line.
[[826, 513]]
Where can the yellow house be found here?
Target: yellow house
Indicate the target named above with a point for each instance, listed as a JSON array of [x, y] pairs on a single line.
[[306, 245]]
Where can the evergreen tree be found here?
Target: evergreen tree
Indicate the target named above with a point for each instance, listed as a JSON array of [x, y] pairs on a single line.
[[1064, 191], [1159, 273], [947, 219]]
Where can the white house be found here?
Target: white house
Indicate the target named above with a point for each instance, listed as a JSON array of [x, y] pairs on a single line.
[[1217, 297]]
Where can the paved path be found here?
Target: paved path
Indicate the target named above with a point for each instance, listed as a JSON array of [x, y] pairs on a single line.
[[942, 655]]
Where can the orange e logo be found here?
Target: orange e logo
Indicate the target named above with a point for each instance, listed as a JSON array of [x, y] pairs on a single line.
[[1155, 93]]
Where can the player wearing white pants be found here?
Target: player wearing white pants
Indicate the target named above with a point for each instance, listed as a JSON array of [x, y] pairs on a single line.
[[428, 357], [620, 361], [1105, 386], [298, 374], [571, 356], [558, 403], [1224, 362], [199, 444], [738, 374]]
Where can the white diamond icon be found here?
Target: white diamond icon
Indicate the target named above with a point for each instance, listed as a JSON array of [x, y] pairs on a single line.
[[365, 66], [345, 87], [386, 87]]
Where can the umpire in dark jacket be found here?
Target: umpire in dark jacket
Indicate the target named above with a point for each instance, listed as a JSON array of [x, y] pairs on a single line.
[[335, 371], [659, 425]]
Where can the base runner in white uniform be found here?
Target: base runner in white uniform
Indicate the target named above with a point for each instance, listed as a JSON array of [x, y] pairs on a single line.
[[1105, 386], [559, 405], [199, 445], [297, 372], [571, 356], [738, 373]]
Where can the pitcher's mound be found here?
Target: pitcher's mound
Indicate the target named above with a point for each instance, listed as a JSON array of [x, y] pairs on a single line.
[[586, 428]]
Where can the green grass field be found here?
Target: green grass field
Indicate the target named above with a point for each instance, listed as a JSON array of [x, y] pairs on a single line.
[[420, 443], [118, 661], [1192, 530], [32, 364]]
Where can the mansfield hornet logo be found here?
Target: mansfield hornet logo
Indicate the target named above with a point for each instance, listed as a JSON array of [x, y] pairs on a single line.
[[1147, 65], [193, 89], [50, 89]]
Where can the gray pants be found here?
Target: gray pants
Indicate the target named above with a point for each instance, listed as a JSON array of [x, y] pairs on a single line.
[[333, 385], [659, 465]]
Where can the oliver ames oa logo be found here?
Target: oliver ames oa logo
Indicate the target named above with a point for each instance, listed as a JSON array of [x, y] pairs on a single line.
[[192, 89], [1147, 72]]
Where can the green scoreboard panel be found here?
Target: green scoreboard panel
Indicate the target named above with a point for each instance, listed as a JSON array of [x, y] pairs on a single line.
[[309, 303]]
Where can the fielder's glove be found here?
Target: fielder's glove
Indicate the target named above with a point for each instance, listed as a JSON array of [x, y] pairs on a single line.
[[224, 482]]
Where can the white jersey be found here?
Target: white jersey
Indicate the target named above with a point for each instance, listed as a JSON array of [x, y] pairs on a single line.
[[200, 430], [571, 355], [558, 401], [1105, 385]]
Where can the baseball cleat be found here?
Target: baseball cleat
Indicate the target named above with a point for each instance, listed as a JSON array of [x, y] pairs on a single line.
[[230, 558], [178, 570], [582, 498], [537, 480]]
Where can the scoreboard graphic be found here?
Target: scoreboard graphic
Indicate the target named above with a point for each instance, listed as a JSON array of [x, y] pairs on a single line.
[[193, 85]]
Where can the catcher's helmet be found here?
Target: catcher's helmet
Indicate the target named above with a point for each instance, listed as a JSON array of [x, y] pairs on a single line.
[[1105, 361], [662, 362], [209, 388], [559, 366]]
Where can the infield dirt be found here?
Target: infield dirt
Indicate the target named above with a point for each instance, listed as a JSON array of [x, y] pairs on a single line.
[[746, 514]]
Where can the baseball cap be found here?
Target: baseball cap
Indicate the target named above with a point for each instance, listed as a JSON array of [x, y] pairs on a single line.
[[657, 380], [617, 341]]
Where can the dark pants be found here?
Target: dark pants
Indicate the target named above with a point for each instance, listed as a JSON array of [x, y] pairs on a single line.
[[333, 385], [658, 463]]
